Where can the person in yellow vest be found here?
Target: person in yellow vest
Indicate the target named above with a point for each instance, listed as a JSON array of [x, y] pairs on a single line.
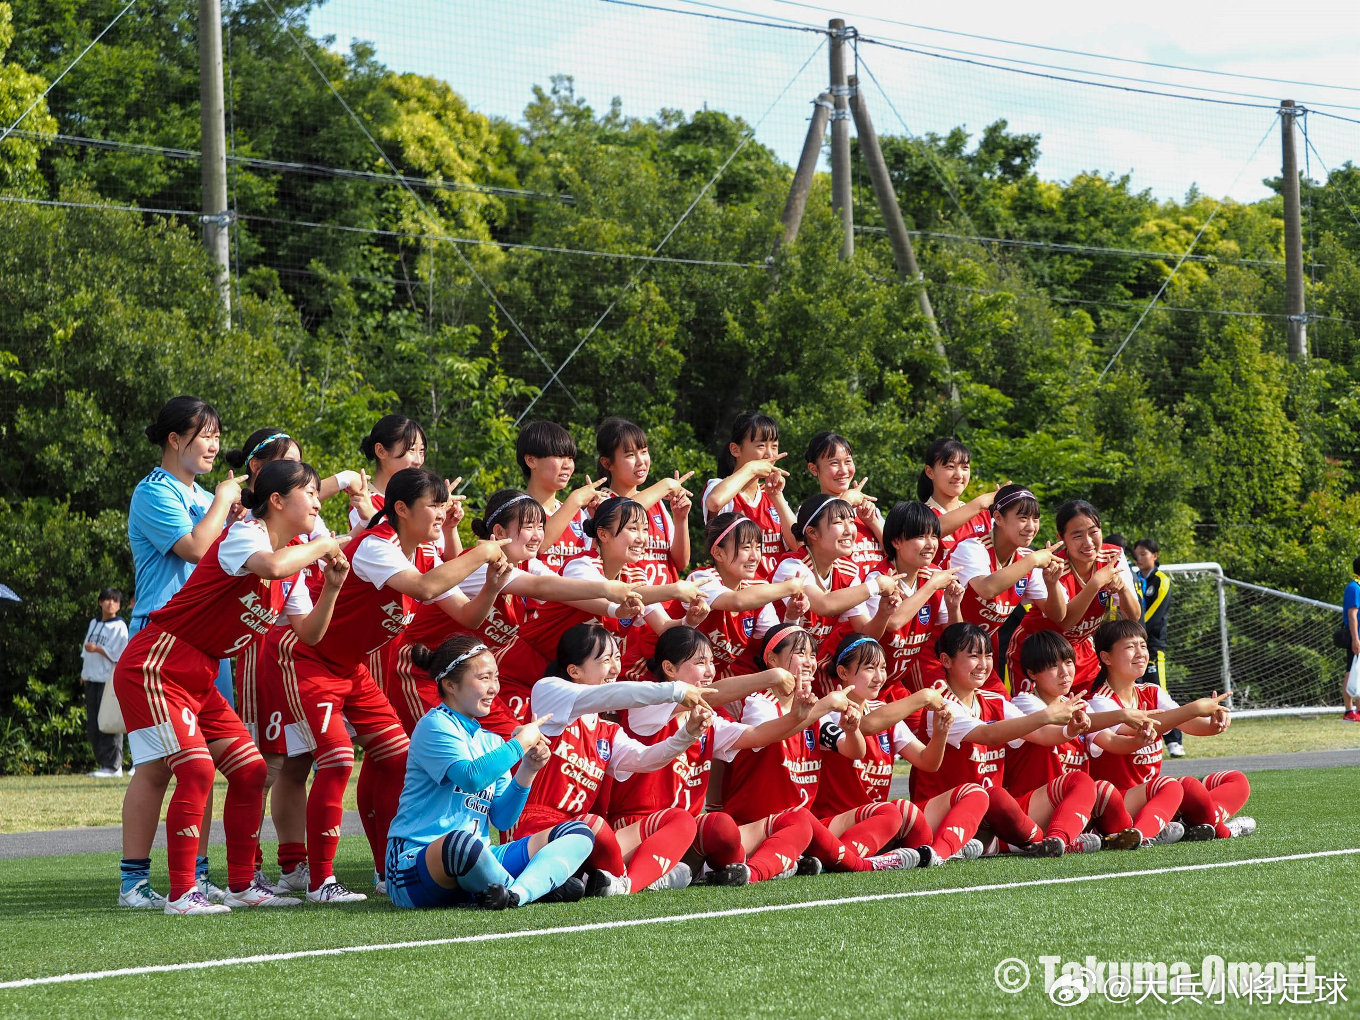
[[1154, 588]]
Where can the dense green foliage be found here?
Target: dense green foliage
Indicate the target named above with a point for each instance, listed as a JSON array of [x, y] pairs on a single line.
[[351, 300]]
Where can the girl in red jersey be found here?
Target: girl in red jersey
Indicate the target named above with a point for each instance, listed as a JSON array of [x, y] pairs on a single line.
[[928, 598], [1048, 666], [516, 518], [999, 571], [624, 465], [587, 751], [724, 852], [618, 530], [836, 594], [332, 699], [1096, 580], [947, 472], [1206, 807], [546, 454], [754, 486], [178, 723], [939, 829], [783, 776], [984, 724], [741, 606], [830, 461]]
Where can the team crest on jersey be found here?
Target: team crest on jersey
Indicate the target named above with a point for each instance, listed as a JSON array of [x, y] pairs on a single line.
[[774, 515], [810, 739], [1104, 597], [924, 616], [703, 743], [286, 588], [748, 625], [604, 748], [979, 529], [885, 742], [577, 530], [658, 520], [1021, 585]]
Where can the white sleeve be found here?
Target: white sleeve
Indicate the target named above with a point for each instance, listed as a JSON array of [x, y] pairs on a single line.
[[1127, 575], [538, 568], [650, 718], [963, 724], [582, 568], [569, 701], [377, 561], [726, 733], [1166, 702], [704, 502], [1095, 704], [1036, 589], [629, 756], [1012, 711], [870, 605], [117, 641], [790, 568], [244, 539], [709, 583], [766, 617], [354, 519], [902, 737], [1028, 703], [472, 585], [971, 560], [319, 531], [757, 709], [299, 601]]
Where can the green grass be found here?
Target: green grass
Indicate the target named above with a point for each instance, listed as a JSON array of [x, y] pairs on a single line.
[[924, 955]]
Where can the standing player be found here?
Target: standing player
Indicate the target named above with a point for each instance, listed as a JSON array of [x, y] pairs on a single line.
[[546, 454], [1154, 589], [947, 472], [754, 486], [458, 784], [624, 463], [830, 461]]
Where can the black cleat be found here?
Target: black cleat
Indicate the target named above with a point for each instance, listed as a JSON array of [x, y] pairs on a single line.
[[809, 865], [733, 874], [1199, 833], [568, 892], [495, 897]]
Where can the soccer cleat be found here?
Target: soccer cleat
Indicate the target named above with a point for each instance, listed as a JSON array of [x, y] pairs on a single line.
[[293, 881], [1199, 833], [494, 897], [928, 857], [603, 883], [1086, 843], [568, 892], [107, 774], [194, 903], [1124, 839], [895, 860], [262, 879], [1173, 833], [808, 865], [331, 891], [258, 894], [1049, 846], [142, 896], [677, 878], [970, 851], [732, 874], [380, 887], [1241, 825], [1175, 749], [211, 890]]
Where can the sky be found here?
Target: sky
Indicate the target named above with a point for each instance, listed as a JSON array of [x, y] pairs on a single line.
[[933, 74]]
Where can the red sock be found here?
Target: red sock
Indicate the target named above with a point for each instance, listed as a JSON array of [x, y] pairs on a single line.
[[718, 840], [193, 769], [787, 835], [876, 825], [380, 780], [967, 806], [1073, 796], [244, 767], [1110, 814], [606, 856], [291, 855], [1197, 807], [915, 830], [1007, 821], [834, 854], [1164, 800], [1229, 791], [325, 809], [666, 835]]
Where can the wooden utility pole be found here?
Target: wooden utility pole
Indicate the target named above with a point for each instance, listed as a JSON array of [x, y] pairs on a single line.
[[807, 169], [1293, 237], [903, 254], [216, 216], [840, 139]]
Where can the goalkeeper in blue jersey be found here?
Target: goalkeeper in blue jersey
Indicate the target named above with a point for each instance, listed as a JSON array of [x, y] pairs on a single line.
[[459, 784]]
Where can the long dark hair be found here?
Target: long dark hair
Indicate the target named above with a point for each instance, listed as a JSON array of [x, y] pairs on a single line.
[[676, 645], [748, 425], [962, 637], [507, 507], [281, 476], [1070, 511], [407, 486], [579, 645], [396, 433], [820, 509], [612, 516], [181, 416]]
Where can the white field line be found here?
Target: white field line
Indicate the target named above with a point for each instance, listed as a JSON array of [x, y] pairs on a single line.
[[572, 929]]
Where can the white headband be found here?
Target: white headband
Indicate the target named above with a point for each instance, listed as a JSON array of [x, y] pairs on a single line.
[[476, 649]]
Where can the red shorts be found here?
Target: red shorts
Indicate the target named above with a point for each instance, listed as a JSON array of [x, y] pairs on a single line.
[[325, 706], [246, 672], [534, 818], [166, 689], [271, 706], [409, 689]]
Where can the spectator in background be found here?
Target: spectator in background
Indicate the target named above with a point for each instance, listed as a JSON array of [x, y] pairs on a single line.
[[1154, 588], [1350, 638], [105, 639]]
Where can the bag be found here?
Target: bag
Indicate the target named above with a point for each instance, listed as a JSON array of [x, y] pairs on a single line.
[[1341, 637], [110, 712], [1353, 678]]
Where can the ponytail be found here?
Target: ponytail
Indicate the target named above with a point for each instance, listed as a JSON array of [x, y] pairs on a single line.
[[407, 486], [278, 476]]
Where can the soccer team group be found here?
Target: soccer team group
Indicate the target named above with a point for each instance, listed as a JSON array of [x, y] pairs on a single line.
[[621, 722]]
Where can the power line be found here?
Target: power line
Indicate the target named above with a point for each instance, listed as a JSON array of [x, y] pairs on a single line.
[[730, 17]]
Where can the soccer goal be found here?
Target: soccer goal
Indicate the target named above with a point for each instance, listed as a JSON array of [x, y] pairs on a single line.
[[1273, 650]]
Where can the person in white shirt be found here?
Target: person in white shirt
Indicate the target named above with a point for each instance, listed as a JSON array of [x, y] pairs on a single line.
[[105, 639]]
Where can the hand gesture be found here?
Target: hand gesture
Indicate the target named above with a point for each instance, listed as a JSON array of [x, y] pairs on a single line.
[[699, 719], [617, 591], [857, 497], [229, 488], [783, 683], [359, 499], [851, 717], [768, 470], [691, 695], [588, 496], [986, 499], [944, 717], [696, 612], [1210, 706], [493, 550], [798, 607], [1041, 558], [1052, 572], [686, 591], [930, 698], [840, 701], [675, 487], [454, 510], [631, 607], [1062, 710], [942, 579], [528, 735], [499, 573], [335, 570], [893, 599], [681, 503], [537, 755], [884, 584]]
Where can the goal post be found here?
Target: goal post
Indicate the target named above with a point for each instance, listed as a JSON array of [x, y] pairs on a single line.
[[1272, 649]]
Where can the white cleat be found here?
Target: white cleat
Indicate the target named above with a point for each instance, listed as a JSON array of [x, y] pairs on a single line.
[[194, 903], [211, 891], [1173, 833], [895, 860], [970, 851], [677, 878], [258, 894], [142, 896], [296, 881], [331, 891], [1241, 825], [1086, 843]]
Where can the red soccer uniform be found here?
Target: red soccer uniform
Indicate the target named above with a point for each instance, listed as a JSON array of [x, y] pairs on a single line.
[[964, 760], [847, 784], [682, 784], [868, 550], [763, 512], [1080, 636], [827, 631], [656, 562], [764, 782], [735, 637], [976, 557], [1030, 766], [572, 542], [1126, 771], [910, 649], [975, 527]]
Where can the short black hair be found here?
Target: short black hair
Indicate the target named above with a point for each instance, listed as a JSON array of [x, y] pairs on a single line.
[[111, 593]]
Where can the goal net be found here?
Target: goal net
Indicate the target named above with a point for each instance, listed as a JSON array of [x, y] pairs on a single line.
[[1273, 650]]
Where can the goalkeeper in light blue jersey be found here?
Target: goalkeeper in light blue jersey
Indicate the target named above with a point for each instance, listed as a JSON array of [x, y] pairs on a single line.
[[459, 784]]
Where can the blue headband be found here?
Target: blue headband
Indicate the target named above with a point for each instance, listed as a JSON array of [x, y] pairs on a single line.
[[265, 442], [852, 646]]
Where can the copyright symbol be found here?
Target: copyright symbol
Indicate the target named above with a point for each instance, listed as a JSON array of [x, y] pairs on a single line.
[[1012, 976]]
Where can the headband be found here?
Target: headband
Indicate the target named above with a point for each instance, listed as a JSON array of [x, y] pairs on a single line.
[[726, 531], [852, 646], [825, 503], [476, 649], [265, 442], [1010, 498], [491, 520], [789, 629]]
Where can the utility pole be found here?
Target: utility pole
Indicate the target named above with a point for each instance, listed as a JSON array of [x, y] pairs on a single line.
[[841, 200], [807, 169], [1293, 237], [216, 217], [903, 254]]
